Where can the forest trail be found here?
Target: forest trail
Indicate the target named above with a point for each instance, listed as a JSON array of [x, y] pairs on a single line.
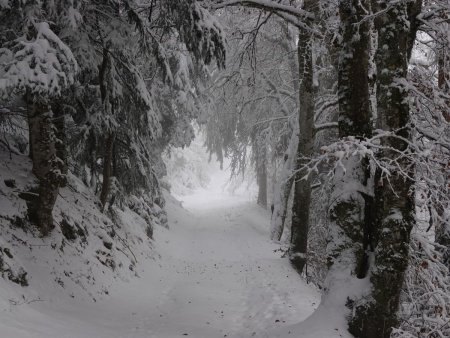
[[230, 280], [218, 275]]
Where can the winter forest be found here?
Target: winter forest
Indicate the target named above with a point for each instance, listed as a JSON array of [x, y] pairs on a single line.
[[224, 168]]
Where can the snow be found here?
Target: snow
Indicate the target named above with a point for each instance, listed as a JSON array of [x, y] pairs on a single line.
[[215, 273], [231, 280], [43, 65]]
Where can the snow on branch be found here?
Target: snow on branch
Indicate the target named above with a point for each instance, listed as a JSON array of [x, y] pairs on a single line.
[[327, 125], [294, 15], [43, 65], [267, 5], [425, 306], [401, 162]]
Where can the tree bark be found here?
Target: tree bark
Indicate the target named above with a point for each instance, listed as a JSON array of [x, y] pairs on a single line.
[[395, 198], [61, 139], [350, 206], [46, 164], [107, 168], [284, 188], [354, 101], [347, 214], [108, 106], [262, 179], [442, 207], [443, 231], [302, 186]]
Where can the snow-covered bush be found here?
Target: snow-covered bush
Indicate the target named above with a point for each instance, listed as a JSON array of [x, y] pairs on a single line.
[[425, 300]]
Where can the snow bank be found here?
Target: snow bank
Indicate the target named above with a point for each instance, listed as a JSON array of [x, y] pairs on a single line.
[[85, 254]]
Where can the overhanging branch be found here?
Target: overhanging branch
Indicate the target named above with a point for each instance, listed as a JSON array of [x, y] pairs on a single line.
[[294, 15]]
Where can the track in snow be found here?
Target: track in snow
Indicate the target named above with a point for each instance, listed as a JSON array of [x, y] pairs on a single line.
[[228, 279], [218, 276]]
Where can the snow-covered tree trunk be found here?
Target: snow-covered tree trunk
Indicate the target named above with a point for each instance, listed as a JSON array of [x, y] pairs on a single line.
[[46, 165], [302, 185], [59, 121], [283, 188], [444, 71], [351, 185], [261, 172], [39, 67], [350, 198], [443, 232], [107, 101], [395, 199], [107, 168], [442, 210]]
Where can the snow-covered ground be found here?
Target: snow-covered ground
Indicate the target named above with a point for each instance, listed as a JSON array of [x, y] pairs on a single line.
[[227, 279], [217, 275]]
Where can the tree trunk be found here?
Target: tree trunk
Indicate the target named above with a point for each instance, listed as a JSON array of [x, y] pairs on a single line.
[[46, 165], [354, 102], [350, 186], [283, 190], [107, 168], [443, 231], [441, 207], [262, 180], [395, 198], [302, 187], [108, 105], [349, 227], [60, 142]]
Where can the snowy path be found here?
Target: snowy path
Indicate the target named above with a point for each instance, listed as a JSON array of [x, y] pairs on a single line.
[[231, 281], [218, 276]]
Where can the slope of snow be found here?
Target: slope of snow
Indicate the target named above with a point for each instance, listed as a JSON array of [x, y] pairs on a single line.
[[215, 274], [218, 276], [85, 253]]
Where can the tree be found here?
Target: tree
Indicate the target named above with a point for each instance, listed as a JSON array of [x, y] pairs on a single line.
[[302, 189], [441, 205], [38, 65], [394, 196], [111, 110], [243, 118], [367, 193]]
